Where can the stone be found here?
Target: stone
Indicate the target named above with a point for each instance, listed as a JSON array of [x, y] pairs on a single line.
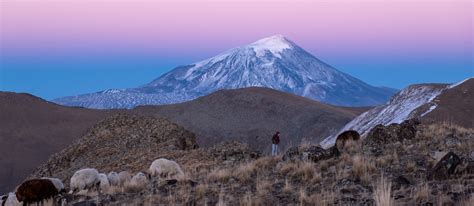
[[308, 153], [381, 135], [445, 167], [346, 136]]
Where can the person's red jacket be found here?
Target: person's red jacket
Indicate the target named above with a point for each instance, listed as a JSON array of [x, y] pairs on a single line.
[[276, 138]]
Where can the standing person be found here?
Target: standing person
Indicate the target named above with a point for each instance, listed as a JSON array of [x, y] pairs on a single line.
[[275, 142]]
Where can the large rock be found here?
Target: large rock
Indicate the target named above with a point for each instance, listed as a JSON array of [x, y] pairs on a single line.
[[445, 167], [349, 135], [233, 152], [380, 135], [309, 153]]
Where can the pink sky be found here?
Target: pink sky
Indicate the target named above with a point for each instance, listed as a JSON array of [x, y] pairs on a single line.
[[189, 27]]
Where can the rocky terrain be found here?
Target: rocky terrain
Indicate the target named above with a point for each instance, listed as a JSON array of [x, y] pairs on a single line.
[[431, 103], [32, 129], [411, 163]]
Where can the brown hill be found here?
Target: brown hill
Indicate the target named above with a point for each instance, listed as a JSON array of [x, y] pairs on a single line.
[[252, 115], [31, 129], [454, 105]]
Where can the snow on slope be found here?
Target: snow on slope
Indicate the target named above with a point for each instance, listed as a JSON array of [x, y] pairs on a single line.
[[273, 62], [405, 105]]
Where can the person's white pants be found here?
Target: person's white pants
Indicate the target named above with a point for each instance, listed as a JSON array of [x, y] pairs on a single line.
[[274, 149]]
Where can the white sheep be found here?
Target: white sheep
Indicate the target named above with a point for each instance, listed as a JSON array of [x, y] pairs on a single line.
[[104, 182], [84, 179], [10, 200], [124, 177], [137, 183], [57, 183], [114, 179], [166, 169]]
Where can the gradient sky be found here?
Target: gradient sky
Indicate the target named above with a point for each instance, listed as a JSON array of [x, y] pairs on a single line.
[[59, 48]]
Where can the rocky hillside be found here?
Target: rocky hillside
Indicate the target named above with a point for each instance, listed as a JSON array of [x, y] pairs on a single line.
[[126, 142], [242, 115], [273, 62], [428, 102], [31, 129], [405, 164], [253, 115]]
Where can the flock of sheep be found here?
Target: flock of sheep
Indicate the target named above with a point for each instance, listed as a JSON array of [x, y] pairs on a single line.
[[89, 180]]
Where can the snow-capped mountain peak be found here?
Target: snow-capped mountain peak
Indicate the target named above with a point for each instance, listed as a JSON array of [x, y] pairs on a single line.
[[274, 44], [273, 62]]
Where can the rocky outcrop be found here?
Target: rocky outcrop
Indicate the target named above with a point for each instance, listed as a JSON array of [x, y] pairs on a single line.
[[445, 167], [309, 153], [380, 135], [121, 142], [233, 152]]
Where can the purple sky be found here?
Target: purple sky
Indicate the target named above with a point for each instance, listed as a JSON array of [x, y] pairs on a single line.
[[366, 39]]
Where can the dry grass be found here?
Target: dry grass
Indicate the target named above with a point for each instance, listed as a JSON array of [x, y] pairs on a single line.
[[263, 187], [362, 167], [410, 167], [382, 193], [288, 188], [422, 193], [220, 175]]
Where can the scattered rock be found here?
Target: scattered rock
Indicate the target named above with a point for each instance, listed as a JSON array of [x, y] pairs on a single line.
[[451, 140], [308, 153], [380, 136], [444, 167], [233, 152], [399, 182]]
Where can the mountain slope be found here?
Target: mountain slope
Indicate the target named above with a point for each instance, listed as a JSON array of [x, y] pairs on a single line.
[[244, 114], [274, 62], [31, 129], [428, 102]]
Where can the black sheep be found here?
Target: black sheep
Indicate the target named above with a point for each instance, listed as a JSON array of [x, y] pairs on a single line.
[[36, 190]]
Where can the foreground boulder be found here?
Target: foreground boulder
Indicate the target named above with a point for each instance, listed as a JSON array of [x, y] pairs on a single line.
[[380, 135], [309, 153], [445, 167], [349, 135]]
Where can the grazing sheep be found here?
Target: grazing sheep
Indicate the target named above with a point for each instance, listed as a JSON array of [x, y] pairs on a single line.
[[104, 182], [137, 183], [84, 179], [124, 177], [36, 190], [114, 179], [166, 169], [57, 183], [9, 200]]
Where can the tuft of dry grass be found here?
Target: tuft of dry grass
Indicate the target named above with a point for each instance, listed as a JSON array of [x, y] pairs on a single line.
[[201, 190], [287, 188], [220, 175], [422, 193], [362, 167], [382, 193]]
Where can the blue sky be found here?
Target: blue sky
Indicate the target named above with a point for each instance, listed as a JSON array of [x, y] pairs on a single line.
[[57, 76]]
